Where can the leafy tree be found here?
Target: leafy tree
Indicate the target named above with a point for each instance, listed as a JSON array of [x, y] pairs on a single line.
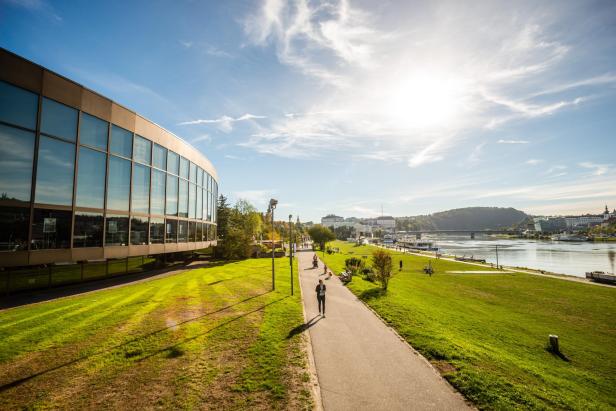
[[321, 235], [223, 211], [383, 267], [354, 265], [242, 226], [343, 232]]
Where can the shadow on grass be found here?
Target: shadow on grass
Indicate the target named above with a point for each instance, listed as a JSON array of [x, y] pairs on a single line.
[[174, 350], [303, 327], [557, 354], [372, 293]]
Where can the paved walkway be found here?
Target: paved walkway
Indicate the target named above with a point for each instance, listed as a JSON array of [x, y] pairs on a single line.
[[361, 363]]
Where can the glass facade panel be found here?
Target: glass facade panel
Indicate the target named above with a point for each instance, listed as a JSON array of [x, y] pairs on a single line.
[[116, 230], [54, 177], [88, 231], [182, 231], [206, 201], [173, 163], [143, 150], [159, 157], [91, 178], [58, 120], [121, 141], [141, 189], [193, 173], [93, 131], [183, 168], [192, 201], [171, 231], [14, 232], [183, 199], [192, 231], [172, 196], [138, 230], [157, 230], [51, 229], [157, 200], [199, 203], [16, 158], [199, 232], [209, 206], [118, 184], [18, 106], [200, 176]]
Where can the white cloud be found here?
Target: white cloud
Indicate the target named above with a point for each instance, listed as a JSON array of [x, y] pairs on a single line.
[[598, 169], [258, 198], [512, 141], [225, 123], [534, 161], [186, 44], [204, 137], [232, 157]]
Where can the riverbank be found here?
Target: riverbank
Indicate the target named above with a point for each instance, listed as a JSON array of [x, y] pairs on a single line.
[[487, 332]]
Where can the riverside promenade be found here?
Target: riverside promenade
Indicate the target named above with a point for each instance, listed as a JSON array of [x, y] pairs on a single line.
[[361, 363]]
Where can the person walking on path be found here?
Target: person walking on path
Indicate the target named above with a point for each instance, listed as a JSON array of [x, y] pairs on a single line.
[[321, 288]]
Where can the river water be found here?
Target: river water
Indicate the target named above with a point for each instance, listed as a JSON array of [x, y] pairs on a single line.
[[555, 256]]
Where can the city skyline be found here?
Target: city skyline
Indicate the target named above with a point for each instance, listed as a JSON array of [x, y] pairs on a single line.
[[346, 106]]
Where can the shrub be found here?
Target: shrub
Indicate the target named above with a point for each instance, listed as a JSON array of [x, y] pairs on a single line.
[[383, 267]]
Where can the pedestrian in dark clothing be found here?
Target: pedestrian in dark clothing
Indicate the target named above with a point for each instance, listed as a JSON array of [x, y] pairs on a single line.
[[400, 265], [321, 297]]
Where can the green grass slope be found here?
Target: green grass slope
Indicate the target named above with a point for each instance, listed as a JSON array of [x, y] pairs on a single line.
[[488, 333], [208, 338]]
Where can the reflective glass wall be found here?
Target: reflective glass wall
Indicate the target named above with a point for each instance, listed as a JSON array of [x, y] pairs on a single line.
[[70, 179]]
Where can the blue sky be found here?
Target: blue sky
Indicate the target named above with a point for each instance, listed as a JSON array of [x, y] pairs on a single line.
[[348, 107]]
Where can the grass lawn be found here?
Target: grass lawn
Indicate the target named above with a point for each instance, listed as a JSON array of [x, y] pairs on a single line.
[[208, 338], [487, 333]]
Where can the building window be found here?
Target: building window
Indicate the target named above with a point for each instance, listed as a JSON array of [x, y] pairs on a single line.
[[157, 231], [173, 163], [121, 142], [138, 230], [199, 232], [193, 173], [171, 231], [93, 131], [192, 231], [51, 229], [200, 176], [88, 231], [159, 157], [199, 203], [14, 232], [172, 195], [91, 178], [118, 185], [192, 201], [116, 232], [183, 199], [206, 202], [54, 176], [157, 200], [143, 150], [182, 231], [18, 106], [59, 120], [183, 168], [141, 189], [16, 154]]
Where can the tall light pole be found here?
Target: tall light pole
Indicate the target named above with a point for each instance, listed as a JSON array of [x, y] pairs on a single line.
[[291, 250], [272, 206], [497, 256]]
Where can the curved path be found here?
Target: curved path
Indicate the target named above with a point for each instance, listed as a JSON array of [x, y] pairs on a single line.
[[361, 363]]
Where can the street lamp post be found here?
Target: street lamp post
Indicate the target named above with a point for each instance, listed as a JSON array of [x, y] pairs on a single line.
[[291, 250], [497, 267], [272, 206]]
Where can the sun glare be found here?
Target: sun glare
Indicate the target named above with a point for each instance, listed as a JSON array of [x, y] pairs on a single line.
[[424, 100]]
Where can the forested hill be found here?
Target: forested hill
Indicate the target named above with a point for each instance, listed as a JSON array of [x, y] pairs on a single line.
[[470, 218]]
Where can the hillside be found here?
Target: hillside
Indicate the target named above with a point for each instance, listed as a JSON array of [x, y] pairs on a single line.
[[469, 218]]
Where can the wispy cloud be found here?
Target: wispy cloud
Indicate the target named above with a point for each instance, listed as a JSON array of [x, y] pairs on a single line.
[[204, 137], [233, 157], [258, 198], [36, 6], [597, 169], [225, 123], [533, 161], [512, 141]]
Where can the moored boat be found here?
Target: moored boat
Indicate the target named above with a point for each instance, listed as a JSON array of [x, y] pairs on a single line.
[[601, 277]]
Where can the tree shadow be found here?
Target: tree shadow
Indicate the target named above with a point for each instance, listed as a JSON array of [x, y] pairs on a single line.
[[172, 350], [303, 327], [372, 293]]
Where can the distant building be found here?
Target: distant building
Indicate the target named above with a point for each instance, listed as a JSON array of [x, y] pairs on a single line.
[[386, 222], [331, 218], [550, 224]]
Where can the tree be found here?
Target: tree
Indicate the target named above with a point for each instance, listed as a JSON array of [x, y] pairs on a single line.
[[242, 225], [383, 267], [321, 235], [222, 213], [354, 265], [344, 232]]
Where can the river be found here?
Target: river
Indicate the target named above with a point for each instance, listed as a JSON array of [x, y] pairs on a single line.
[[555, 256]]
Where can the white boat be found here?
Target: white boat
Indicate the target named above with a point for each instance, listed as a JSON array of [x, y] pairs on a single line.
[[569, 237], [422, 245], [601, 277]]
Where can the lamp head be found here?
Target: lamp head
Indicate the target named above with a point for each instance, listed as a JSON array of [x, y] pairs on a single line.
[[272, 203]]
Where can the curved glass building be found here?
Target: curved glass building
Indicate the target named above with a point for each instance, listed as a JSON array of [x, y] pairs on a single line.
[[84, 180]]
